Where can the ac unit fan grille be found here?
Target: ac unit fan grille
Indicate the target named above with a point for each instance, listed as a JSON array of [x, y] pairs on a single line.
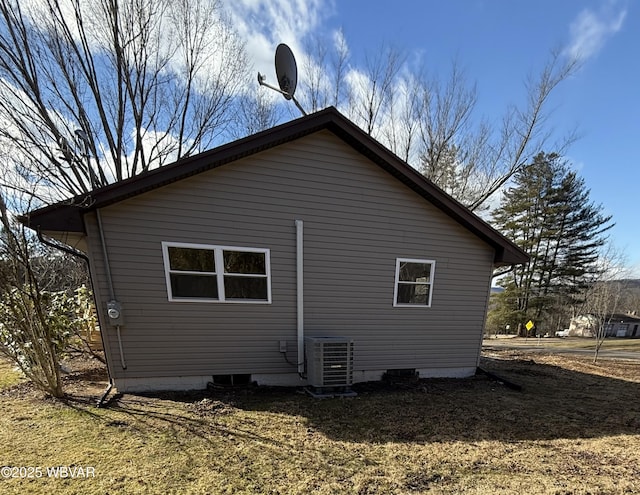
[[329, 362]]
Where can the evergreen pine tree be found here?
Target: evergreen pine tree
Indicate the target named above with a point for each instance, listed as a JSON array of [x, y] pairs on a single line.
[[548, 213]]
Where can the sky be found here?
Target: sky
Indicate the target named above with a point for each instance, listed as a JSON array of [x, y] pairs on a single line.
[[498, 44]]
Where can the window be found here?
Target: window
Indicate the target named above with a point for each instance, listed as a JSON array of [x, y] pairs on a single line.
[[414, 282], [197, 272]]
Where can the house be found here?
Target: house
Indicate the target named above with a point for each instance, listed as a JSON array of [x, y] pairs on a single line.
[[616, 325], [221, 265], [583, 326]]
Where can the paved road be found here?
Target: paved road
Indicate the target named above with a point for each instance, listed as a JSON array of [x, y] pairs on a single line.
[[531, 345]]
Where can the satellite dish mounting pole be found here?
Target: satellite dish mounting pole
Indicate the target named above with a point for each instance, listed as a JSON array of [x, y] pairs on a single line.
[[287, 74], [261, 80]]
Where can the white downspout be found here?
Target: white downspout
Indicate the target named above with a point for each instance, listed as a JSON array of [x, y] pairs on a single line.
[[300, 292]]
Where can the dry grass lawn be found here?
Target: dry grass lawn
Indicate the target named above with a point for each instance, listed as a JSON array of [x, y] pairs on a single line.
[[8, 375], [573, 429], [613, 344]]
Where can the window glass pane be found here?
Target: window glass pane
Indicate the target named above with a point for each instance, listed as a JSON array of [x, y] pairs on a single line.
[[194, 286], [195, 260], [413, 294], [245, 288], [244, 262], [414, 272]]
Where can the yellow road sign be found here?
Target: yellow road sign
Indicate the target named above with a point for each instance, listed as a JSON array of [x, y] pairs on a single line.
[[529, 325]]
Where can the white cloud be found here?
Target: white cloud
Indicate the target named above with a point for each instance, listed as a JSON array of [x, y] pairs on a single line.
[[340, 42], [591, 29], [263, 24]]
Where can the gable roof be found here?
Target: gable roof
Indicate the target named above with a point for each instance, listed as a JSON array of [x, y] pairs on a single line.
[[67, 216]]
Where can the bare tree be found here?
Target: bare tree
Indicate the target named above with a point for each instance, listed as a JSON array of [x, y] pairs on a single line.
[[524, 131], [255, 112], [339, 60], [605, 295], [404, 117], [315, 79], [95, 92], [432, 123], [322, 78], [453, 153], [472, 161], [370, 91]]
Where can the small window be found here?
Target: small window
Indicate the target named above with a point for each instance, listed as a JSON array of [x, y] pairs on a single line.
[[414, 282], [192, 273], [196, 272], [245, 275]]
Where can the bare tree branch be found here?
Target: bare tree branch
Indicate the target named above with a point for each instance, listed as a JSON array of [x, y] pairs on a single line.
[[524, 133], [99, 91]]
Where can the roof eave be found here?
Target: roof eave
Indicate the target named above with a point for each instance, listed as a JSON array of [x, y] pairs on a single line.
[[59, 217]]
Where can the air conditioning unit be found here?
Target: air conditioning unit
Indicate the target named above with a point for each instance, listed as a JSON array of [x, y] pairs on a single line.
[[329, 361]]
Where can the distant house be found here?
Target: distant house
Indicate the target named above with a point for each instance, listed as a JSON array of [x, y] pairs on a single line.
[[225, 265], [583, 326], [617, 325]]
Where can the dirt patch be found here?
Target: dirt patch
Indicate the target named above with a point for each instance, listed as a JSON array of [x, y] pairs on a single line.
[[84, 380]]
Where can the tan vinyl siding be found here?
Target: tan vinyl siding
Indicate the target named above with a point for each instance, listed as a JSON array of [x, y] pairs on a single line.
[[357, 220]]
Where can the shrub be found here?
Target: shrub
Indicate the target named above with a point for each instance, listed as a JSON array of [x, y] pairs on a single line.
[[37, 328]]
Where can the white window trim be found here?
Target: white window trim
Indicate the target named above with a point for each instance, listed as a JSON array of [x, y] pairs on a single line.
[[397, 280], [219, 274]]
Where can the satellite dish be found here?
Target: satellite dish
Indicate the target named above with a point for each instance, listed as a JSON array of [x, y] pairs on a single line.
[[287, 74], [286, 70]]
